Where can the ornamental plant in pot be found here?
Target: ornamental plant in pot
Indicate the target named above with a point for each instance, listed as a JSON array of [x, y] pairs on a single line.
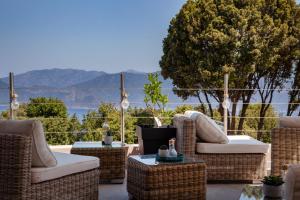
[[149, 131], [108, 139], [272, 186]]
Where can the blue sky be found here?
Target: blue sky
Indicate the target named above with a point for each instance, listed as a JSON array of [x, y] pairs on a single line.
[[103, 35]]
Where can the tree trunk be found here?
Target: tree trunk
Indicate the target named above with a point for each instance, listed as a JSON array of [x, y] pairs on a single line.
[[246, 102], [233, 117]]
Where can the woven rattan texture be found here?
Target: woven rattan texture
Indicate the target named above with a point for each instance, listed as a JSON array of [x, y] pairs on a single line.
[[112, 161], [15, 178], [285, 148], [220, 167], [171, 181]]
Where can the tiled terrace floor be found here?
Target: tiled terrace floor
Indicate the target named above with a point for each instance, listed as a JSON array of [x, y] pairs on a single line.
[[119, 192], [214, 191]]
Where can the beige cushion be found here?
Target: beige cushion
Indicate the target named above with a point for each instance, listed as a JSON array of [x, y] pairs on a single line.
[[236, 144], [41, 153], [292, 183], [289, 122], [206, 128], [66, 164]]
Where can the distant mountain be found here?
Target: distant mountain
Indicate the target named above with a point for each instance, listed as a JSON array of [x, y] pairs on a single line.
[[79, 88], [56, 78], [3, 92]]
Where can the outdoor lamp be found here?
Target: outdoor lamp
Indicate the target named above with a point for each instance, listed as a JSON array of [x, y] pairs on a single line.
[[14, 103], [226, 103], [125, 102]]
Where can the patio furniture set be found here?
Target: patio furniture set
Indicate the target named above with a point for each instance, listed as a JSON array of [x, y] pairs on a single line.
[[29, 170]]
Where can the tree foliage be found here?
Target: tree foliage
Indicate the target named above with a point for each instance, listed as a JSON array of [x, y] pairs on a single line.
[[249, 39], [153, 94], [46, 107]]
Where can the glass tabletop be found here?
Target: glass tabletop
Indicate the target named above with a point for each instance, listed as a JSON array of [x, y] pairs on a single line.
[[254, 192], [96, 145], [151, 160]]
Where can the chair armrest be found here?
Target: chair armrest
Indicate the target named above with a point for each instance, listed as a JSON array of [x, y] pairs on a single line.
[[185, 135], [15, 165], [285, 149]]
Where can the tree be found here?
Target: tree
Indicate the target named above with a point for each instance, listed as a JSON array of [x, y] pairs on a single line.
[[208, 38], [46, 107], [252, 122], [294, 94]]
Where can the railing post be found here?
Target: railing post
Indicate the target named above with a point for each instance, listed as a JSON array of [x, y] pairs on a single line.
[[11, 95], [226, 103], [122, 90]]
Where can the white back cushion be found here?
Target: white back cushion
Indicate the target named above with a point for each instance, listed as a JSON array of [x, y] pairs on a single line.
[[206, 128], [289, 122], [41, 153]]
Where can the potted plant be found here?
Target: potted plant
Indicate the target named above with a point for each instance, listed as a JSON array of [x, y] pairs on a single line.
[[108, 139], [272, 186], [149, 131]]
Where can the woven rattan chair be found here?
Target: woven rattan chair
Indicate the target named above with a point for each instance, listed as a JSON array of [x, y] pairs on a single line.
[[221, 167], [15, 175], [285, 149]]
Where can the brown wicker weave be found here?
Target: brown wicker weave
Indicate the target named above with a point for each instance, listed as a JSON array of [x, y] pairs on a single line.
[[15, 178], [244, 167], [285, 148], [112, 162], [166, 181]]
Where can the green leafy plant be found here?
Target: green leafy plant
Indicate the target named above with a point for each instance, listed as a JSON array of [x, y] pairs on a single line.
[[273, 180], [153, 95], [109, 133], [163, 147]]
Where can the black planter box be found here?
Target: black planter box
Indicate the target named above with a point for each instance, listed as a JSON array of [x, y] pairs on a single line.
[[150, 139]]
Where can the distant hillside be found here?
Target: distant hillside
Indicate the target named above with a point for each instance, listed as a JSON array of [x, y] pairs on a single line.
[[79, 88], [3, 92], [56, 78]]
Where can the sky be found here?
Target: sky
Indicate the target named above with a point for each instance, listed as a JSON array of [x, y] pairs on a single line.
[[102, 35]]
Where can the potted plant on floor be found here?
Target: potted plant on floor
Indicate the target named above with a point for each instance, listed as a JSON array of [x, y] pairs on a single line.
[[272, 186], [152, 135]]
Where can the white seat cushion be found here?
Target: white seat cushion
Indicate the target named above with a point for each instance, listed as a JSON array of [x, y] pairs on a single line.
[[206, 128], [66, 164], [236, 144]]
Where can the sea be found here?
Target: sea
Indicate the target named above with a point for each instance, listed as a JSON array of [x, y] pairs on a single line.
[[80, 112]]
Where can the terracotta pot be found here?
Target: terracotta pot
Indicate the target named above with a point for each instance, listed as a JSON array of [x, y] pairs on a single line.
[[272, 191], [108, 139]]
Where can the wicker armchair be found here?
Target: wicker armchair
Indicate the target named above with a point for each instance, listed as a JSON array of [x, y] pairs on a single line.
[[15, 173], [285, 149], [221, 167]]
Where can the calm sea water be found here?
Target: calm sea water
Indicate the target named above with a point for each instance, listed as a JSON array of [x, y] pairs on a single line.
[[80, 112]]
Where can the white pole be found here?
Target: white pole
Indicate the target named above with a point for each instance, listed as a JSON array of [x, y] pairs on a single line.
[[225, 106], [122, 110]]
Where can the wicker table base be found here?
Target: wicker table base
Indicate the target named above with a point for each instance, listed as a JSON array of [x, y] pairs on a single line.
[[149, 180], [112, 161]]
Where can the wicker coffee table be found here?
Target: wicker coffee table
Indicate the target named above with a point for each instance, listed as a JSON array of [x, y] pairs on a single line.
[[112, 159], [148, 179]]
